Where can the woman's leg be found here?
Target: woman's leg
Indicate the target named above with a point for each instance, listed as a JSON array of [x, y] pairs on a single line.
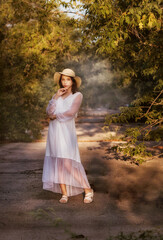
[[63, 199], [64, 192], [87, 190], [76, 175], [63, 189]]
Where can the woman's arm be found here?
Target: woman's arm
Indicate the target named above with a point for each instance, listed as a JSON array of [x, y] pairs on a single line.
[[51, 106], [69, 114], [52, 103]]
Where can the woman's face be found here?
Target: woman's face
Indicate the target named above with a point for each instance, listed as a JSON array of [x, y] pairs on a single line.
[[66, 81]]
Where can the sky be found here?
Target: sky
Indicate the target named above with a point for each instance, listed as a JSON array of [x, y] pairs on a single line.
[[70, 10]]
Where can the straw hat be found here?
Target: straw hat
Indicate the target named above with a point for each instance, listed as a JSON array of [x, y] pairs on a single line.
[[67, 72]]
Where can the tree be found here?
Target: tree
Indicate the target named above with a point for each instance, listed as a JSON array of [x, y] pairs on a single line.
[[34, 39], [129, 35]]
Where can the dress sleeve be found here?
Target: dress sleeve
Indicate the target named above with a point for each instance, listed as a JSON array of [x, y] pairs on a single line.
[[51, 106], [70, 113]]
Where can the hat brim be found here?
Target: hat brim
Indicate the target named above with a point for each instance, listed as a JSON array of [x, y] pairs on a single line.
[[57, 76]]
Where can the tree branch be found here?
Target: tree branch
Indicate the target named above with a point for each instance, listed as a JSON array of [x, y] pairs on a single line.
[[151, 104], [154, 101]]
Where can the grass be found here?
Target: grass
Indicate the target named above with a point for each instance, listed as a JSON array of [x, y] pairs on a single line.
[[141, 235]]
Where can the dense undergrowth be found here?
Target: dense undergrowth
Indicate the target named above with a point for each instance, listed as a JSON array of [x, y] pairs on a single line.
[[152, 130]]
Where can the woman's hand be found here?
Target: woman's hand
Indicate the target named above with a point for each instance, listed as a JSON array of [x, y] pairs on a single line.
[[52, 117], [60, 92]]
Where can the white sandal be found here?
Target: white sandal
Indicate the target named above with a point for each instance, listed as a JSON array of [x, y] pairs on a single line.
[[89, 197], [64, 199]]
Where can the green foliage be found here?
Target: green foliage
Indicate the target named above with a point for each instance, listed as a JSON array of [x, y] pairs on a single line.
[[34, 39], [133, 149], [127, 114], [153, 119], [129, 35], [156, 134], [152, 116], [47, 214]]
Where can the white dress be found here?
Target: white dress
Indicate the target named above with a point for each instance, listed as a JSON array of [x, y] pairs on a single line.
[[62, 164]]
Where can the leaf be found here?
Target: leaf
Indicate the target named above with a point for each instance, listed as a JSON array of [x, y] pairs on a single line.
[[127, 19], [141, 25]]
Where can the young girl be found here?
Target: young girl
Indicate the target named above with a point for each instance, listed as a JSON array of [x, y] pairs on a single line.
[[63, 171]]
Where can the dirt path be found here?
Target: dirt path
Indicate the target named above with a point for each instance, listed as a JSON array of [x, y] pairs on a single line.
[[127, 197]]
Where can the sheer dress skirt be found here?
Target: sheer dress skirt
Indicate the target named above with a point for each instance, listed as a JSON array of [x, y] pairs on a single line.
[[64, 171], [62, 164]]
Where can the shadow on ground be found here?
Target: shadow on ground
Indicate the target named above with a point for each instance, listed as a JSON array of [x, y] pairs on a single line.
[[127, 197]]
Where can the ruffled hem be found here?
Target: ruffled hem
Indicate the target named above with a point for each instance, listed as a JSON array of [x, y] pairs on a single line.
[[64, 171]]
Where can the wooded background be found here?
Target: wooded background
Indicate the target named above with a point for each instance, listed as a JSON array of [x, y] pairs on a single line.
[[115, 46]]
